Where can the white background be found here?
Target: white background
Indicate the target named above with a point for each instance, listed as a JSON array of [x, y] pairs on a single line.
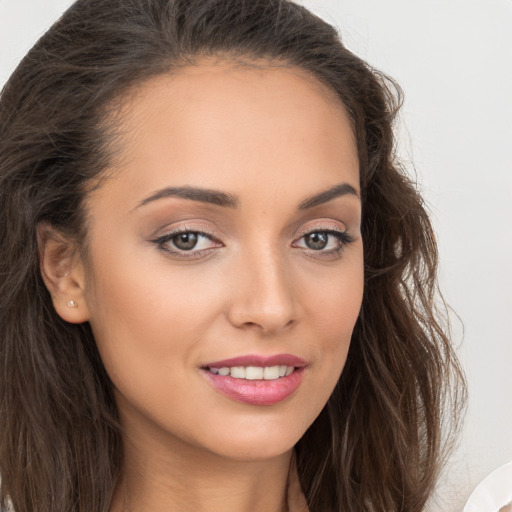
[[453, 58]]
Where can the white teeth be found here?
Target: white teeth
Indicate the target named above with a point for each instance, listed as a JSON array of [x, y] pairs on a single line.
[[271, 372], [237, 372], [254, 372]]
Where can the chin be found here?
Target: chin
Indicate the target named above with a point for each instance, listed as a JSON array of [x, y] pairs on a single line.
[[258, 442], [253, 451]]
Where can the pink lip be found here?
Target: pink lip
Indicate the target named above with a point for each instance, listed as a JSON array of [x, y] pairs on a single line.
[[257, 392]]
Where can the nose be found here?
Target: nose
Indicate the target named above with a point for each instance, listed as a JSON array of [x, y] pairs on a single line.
[[263, 298]]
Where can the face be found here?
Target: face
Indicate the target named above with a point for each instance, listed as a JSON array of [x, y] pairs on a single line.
[[225, 267]]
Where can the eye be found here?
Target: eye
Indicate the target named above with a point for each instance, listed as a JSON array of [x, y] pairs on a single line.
[[317, 241], [324, 241], [187, 243]]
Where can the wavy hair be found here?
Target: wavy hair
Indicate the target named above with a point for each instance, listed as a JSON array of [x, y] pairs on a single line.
[[379, 442]]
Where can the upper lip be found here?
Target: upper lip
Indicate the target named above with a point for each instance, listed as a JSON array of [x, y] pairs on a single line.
[[259, 360]]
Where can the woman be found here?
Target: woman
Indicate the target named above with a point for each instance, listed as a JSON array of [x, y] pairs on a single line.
[[201, 215]]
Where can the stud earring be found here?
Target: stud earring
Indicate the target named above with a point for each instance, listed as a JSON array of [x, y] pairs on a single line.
[[72, 304]]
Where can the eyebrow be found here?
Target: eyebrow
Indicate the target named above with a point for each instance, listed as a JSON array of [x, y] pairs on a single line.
[[328, 195], [218, 198], [202, 195]]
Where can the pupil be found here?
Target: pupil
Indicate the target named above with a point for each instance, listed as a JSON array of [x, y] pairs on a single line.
[[316, 241], [185, 241]]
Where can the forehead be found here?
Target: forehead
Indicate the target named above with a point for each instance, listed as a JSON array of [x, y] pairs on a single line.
[[213, 123]]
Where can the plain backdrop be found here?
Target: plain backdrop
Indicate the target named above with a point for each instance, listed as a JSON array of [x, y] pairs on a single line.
[[453, 58]]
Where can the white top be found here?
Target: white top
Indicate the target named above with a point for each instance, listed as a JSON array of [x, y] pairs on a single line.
[[494, 492]]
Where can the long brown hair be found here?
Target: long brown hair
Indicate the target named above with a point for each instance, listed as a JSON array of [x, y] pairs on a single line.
[[379, 442]]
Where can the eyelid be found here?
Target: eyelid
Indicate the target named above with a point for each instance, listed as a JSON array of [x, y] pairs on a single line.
[[333, 229], [166, 237], [344, 237], [322, 225], [184, 228]]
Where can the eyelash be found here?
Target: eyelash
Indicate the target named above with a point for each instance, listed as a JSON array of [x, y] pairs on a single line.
[[163, 240], [343, 238]]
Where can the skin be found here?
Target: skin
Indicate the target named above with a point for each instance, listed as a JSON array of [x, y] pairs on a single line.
[[271, 137]]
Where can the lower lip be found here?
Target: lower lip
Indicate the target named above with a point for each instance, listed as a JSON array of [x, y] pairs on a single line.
[[256, 392]]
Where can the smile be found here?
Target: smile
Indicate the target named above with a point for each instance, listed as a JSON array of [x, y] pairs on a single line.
[[254, 372], [256, 380]]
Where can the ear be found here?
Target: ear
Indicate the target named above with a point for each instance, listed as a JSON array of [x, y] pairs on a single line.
[[63, 274]]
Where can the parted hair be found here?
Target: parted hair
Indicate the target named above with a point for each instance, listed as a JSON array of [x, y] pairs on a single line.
[[379, 443]]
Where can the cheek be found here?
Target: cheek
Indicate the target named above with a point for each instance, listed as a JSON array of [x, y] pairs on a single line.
[[140, 291], [334, 307], [333, 310], [336, 302], [145, 325], [133, 309], [149, 316]]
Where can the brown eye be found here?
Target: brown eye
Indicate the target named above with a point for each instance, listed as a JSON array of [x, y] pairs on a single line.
[[185, 241], [187, 244], [317, 240], [324, 243]]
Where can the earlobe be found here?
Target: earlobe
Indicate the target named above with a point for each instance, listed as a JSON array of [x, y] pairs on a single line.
[[63, 274]]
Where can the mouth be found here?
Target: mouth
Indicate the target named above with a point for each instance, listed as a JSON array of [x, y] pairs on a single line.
[[256, 380], [253, 372]]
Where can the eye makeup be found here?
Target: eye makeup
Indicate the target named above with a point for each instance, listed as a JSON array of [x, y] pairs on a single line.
[[184, 242], [325, 243]]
